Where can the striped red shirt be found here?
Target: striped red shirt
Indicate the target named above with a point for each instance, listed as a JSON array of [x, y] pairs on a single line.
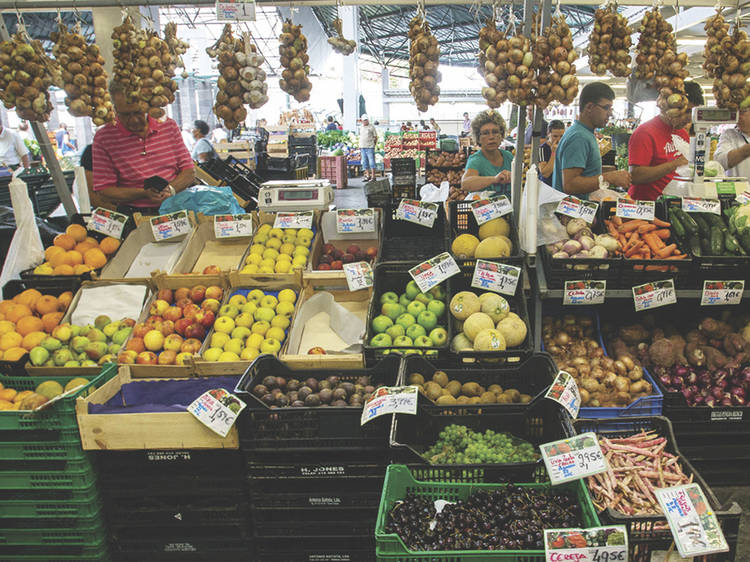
[[124, 159]]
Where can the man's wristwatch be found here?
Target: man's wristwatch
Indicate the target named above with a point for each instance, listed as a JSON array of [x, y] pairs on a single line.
[[171, 190], [603, 184]]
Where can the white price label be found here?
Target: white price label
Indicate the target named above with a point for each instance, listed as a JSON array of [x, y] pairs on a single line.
[[434, 271], [743, 197], [564, 391], [497, 277], [169, 226], [694, 526], [697, 205], [217, 409], [654, 294], [303, 219], [417, 212], [233, 226], [355, 220], [390, 400], [584, 292], [644, 210], [596, 544], [577, 208], [487, 209], [358, 275], [107, 222], [235, 11], [722, 292], [574, 458]]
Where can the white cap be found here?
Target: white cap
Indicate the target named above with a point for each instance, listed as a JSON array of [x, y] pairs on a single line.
[[365, 117]]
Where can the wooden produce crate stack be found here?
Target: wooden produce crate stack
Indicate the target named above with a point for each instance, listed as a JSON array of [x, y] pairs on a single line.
[[278, 141], [244, 151]]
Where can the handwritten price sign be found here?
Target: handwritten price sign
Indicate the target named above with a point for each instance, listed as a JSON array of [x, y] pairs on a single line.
[[233, 226], [596, 544], [584, 292], [358, 275], [355, 220], [169, 226], [434, 271], [107, 222], [654, 294], [497, 277], [418, 212], [303, 219], [390, 400], [574, 458], [577, 208], [635, 209], [217, 409], [697, 205], [487, 209], [564, 391], [722, 292]]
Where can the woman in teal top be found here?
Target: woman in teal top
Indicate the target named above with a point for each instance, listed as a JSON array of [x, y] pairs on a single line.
[[488, 169]]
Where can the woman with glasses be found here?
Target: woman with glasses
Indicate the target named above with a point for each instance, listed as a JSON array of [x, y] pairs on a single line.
[[489, 168]]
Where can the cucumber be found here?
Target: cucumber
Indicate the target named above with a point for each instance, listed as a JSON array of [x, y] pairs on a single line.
[[744, 238], [717, 241], [677, 226], [695, 246], [705, 243], [730, 223], [690, 225], [715, 220], [703, 228], [731, 245]]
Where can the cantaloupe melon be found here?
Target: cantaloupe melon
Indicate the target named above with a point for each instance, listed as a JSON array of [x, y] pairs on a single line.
[[495, 306], [489, 340], [494, 227], [463, 246], [513, 329], [492, 247], [464, 304], [476, 323]]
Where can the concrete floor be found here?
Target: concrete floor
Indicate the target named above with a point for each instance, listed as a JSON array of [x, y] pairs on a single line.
[[351, 197]]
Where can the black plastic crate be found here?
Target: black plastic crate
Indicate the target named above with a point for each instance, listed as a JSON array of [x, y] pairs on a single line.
[[394, 277], [412, 435], [406, 190], [264, 429], [306, 470], [310, 140], [188, 510], [306, 503], [170, 487], [313, 549], [183, 547], [406, 241], [559, 270], [532, 376], [403, 167], [56, 287], [331, 524], [169, 464]]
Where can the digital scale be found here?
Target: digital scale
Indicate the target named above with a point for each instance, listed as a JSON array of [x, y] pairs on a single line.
[[295, 195]]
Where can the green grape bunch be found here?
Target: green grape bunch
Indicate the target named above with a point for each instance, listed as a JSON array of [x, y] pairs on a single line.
[[457, 444]]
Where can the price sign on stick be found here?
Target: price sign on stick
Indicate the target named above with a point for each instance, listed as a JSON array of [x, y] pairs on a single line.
[[694, 526], [654, 294], [303, 219], [233, 226], [355, 220], [577, 208], [597, 544], [107, 222], [390, 400], [169, 226], [497, 277], [217, 409], [697, 205], [358, 275], [418, 212], [584, 292], [722, 292], [487, 209], [434, 271], [574, 458], [644, 210], [564, 391]]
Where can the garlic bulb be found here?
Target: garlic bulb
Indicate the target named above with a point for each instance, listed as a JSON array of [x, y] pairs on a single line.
[[293, 50], [26, 75], [424, 54], [609, 43], [340, 44]]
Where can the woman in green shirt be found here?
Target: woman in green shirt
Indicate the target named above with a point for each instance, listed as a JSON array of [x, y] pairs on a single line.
[[488, 169]]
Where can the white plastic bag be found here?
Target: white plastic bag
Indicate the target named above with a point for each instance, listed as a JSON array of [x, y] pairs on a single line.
[[81, 191], [540, 213], [430, 193], [26, 248]]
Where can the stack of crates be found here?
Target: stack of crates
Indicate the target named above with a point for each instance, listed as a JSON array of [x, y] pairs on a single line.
[[404, 178], [50, 507], [333, 168], [176, 504], [304, 146]]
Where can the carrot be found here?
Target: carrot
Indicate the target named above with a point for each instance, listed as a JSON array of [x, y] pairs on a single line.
[[617, 221], [653, 242], [611, 229], [634, 249], [661, 223], [676, 257], [622, 240], [646, 228], [666, 251], [632, 225], [662, 233]]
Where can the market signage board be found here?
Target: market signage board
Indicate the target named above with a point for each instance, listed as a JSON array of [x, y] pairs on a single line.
[[584, 292], [434, 271], [498, 277], [717, 293], [174, 225], [233, 226], [358, 275], [577, 208], [564, 391], [654, 294], [390, 400], [107, 222], [418, 212], [486, 210], [230, 10]]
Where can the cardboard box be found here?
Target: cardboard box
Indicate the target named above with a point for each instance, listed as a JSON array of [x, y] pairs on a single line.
[[125, 432]]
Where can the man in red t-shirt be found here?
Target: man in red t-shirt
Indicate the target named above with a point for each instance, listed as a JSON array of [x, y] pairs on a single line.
[[652, 155]]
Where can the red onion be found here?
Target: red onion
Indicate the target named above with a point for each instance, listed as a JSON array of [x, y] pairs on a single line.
[[717, 392], [677, 382], [710, 402], [691, 377], [681, 370], [704, 379], [666, 380], [737, 391], [726, 401], [687, 394], [697, 400], [738, 400], [721, 383]]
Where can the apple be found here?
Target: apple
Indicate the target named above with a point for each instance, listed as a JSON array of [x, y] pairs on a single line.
[[424, 298], [173, 342], [190, 345], [146, 358], [127, 357], [181, 293], [405, 320], [395, 331], [423, 341], [167, 357], [412, 290], [127, 323], [436, 307], [347, 258], [154, 340], [211, 304], [165, 295], [140, 330], [212, 354], [205, 318], [403, 300], [191, 310], [427, 320], [196, 331], [439, 337], [353, 249], [338, 254], [182, 303], [173, 313], [381, 323], [329, 248], [211, 270], [415, 330], [198, 293], [324, 267], [152, 323], [372, 252], [415, 308], [167, 327], [337, 265], [135, 344], [270, 345], [229, 310], [438, 292], [325, 258], [316, 351], [244, 319], [403, 341], [181, 325], [381, 340], [183, 358], [392, 310], [234, 345], [389, 296], [241, 333], [214, 292], [158, 307], [224, 324]]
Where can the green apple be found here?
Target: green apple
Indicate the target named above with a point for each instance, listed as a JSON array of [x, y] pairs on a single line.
[[264, 314], [395, 331], [219, 339], [381, 340], [438, 292], [415, 308], [72, 363], [390, 296], [403, 300], [273, 346], [235, 346], [427, 320], [38, 356], [244, 319], [224, 324], [406, 320], [229, 310], [439, 337], [415, 330], [412, 289], [412, 352], [241, 333], [392, 310], [436, 307], [381, 323], [249, 308], [423, 341], [79, 343], [403, 341], [424, 298], [122, 335], [51, 344]]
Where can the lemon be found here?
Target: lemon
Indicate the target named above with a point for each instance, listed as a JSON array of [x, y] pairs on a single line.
[[299, 260], [300, 251], [260, 328], [265, 269], [276, 233], [264, 314], [280, 321], [268, 263], [287, 295], [282, 266], [270, 254], [285, 308], [276, 334], [286, 248], [274, 243], [254, 341], [252, 268], [264, 228], [257, 249]]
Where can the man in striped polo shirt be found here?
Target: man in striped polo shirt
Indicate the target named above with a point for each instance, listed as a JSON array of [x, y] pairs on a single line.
[[135, 148]]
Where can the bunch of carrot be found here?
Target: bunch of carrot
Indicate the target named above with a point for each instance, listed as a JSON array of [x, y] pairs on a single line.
[[642, 239]]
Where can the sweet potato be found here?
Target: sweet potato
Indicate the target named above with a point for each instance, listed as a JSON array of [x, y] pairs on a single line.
[[734, 343], [662, 353], [713, 328], [715, 359], [694, 354]]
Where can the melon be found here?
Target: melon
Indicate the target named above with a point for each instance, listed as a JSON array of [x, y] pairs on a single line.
[[464, 245], [494, 227], [476, 323], [495, 306], [464, 304], [492, 247], [513, 329], [489, 340], [461, 343]]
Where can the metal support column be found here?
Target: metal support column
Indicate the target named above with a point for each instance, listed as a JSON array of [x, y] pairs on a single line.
[[536, 131], [385, 85], [516, 187], [350, 26]]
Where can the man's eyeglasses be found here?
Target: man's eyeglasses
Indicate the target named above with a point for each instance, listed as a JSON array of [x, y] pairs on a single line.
[[606, 108], [489, 133]]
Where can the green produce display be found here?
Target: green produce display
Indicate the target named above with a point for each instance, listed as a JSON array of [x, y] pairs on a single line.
[[457, 444], [708, 234]]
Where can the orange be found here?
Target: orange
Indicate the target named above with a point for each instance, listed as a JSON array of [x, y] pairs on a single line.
[[109, 245], [77, 232], [29, 324], [64, 300], [64, 269], [47, 303], [73, 258], [83, 246], [27, 297], [95, 258], [6, 326], [59, 259], [52, 251], [5, 306], [11, 339], [93, 241], [81, 268], [18, 312], [33, 339], [14, 354], [65, 241], [8, 394], [50, 320]]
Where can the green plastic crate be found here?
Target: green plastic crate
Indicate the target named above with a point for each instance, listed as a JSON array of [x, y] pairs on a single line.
[[53, 508], [62, 414], [399, 481], [68, 447], [77, 474], [68, 531], [97, 550]]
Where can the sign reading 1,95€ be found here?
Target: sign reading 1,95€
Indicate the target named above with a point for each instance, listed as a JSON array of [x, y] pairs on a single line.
[[417, 212], [584, 292], [595, 544], [355, 220], [487, 209], [497, 277], [107, 222], [302, 219], [232, 226], [574, 458], [577, 208], [434, 271], [654, 294], [643, 210], [698, 205], [169, 226]]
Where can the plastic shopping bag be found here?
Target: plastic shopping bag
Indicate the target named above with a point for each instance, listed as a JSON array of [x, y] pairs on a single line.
[[542, 214], [206, 199], [433, 194]]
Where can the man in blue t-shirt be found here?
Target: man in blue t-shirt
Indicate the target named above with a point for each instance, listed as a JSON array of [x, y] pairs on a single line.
[[578, 163]]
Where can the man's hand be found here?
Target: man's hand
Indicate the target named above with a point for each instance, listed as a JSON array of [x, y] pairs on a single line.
[[157, 196], [553, 146], [620, 178], [680, 161], [503, 177]]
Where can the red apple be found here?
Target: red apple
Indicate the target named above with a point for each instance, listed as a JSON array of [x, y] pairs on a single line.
[[127, 357], [338, 254], [167, 357], [167, 327], [198, 293], [140, 330], [214, 292], [183, 358], [353, 249], [183, 302], [211, 270], [146, 358], [360, 256], [347, 258], [190, 345], [196, 331], [154, 322], [372, 252], [181, 293], [173, 342], [329, 248], [127, 323], [173, 313], [181, 325], [324, 267], [316, 351], [135, 344], [326, 258], [337, 265], [211, 304], [191, 310], [165, 295], [205, 318]]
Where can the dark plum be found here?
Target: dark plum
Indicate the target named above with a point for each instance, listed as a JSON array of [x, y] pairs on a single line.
[[312, 383], [260, 390], [269, 382]]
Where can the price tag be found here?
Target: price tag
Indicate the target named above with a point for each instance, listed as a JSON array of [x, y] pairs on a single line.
[[564, 391], [487, 209], [694, 526], [358, 275], [577, 208], [722, 292], [697, 205], [654, 294], [597, 544], [234, 11], [434, 271], [169, 226], [217, 409], [584, 292], [743, 197], [233, 226], [635, 209], [302, 219], [418, 212], [574, 458], [107, 222], [355, 220], [390, 400], [498, 277]]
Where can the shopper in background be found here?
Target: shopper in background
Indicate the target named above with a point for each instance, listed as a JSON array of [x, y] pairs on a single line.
[[13, 151], [578, 163], [202, 150], [530, 126], [433, 124], [652, 155], [219, 135], [64, 144], [332, 126], [489, 168], [25, 131], [132, 150], [555, 131], [733, 150], [467, 126], [187, 136], [368, 138], [424, 125], [404, 127]]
